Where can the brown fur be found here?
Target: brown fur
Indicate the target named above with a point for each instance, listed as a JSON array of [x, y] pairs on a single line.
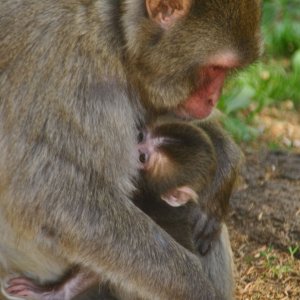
[[190, 150], [72, 77], [204, 159], [187, 157], [200, 143]]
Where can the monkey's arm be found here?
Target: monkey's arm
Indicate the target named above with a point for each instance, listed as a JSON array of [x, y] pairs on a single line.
[[215, 198], [228, 156], [67, 191], [119, 241]]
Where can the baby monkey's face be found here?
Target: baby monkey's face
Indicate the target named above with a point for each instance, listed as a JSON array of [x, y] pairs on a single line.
[[153, 160], [176, 160]]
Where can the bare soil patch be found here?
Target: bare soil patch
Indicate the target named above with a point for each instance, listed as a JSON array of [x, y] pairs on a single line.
[[265, 226]]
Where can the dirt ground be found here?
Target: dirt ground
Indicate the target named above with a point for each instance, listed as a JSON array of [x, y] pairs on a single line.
[[264, 223]]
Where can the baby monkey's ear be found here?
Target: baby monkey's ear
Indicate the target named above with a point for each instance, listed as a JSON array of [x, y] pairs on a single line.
[[180, 196], [167, 12]]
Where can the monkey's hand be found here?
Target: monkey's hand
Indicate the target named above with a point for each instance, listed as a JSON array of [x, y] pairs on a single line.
[[206, 229]]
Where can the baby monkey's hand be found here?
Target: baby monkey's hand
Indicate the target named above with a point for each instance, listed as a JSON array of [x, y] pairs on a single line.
[[206, 229]]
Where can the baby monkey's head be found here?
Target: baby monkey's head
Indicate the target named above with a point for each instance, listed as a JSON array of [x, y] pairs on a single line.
[[177, 161]]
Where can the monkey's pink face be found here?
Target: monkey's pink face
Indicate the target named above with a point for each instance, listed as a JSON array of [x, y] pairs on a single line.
[[202, 101], [191, 49], [210, 83]]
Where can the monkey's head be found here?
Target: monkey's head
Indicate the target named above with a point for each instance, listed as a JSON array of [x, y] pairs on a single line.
[[180, 51], [177, 161]]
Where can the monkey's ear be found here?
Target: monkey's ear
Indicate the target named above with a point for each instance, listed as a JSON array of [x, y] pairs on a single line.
[[167, 12], [180, 196]]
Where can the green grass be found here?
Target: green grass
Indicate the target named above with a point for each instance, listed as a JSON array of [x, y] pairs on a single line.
[[274, 265], [293, 251], [274, 79]]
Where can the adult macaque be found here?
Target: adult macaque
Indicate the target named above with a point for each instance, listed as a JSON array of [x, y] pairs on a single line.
[[75, 79], [178, 161]]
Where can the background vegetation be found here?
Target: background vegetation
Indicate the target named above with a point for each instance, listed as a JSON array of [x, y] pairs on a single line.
[[274, 79], [261, 108]]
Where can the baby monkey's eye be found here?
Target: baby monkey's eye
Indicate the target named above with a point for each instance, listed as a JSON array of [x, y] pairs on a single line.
[[143, 157]]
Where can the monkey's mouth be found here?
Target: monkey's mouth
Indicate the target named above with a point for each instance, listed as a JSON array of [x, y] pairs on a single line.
[[202, 101], [192, 111]]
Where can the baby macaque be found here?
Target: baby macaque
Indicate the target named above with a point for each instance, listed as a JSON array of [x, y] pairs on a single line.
[[188, 170], [177, 162]]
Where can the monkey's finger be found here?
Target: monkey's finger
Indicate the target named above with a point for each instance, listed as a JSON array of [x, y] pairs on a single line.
[[204, 247], [200, 226], [205, 236], [20, 280], [23, 294], [23, 287], [16, 289], [200, 220]]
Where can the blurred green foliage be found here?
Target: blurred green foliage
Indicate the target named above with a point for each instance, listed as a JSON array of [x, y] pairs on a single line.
[[276, 77], [281, 26]]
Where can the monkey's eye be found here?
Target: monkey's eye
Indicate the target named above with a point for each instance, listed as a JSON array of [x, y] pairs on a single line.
[[140, 137], [143, 158]]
